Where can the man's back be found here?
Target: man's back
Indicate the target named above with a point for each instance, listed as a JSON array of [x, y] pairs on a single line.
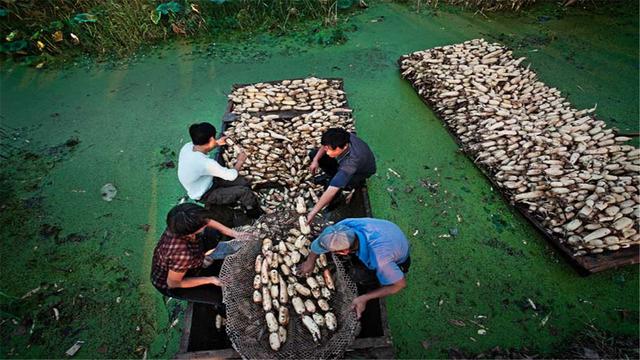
[[360, 157], [196, 171], [382, 247], [384, 239]]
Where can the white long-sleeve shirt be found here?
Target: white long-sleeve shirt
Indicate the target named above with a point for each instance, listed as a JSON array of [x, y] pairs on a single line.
[[196, 171]]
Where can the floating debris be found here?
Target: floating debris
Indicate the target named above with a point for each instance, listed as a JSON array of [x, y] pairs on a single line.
[[454, 232], [75, 348], [30, 292], [108, 192], [394, 173], [543, 322]]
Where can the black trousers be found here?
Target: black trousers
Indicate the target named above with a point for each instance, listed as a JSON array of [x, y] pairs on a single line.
[[330, 167], [206, 294], [225, 192]]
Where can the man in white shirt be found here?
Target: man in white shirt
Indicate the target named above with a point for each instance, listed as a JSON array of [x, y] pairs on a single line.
[[206, 180]]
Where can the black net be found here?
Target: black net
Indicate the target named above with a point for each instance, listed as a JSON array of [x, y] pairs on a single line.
[[246, 325]]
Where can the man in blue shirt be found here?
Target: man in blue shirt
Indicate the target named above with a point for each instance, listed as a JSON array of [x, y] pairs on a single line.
[[345, 159], [379, 244]]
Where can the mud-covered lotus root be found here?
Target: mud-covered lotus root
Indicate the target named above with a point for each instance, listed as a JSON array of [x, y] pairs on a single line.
[[576, 176]]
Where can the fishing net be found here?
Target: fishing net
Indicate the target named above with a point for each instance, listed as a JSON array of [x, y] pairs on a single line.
[[246, 325]]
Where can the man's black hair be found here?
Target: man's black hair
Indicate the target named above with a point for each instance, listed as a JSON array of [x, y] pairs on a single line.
[[335, 138], [186, 219], [201, 133]]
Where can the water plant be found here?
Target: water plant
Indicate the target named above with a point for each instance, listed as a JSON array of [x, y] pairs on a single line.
[[118, 28]]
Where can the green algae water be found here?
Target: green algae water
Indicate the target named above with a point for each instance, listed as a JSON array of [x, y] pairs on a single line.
[[476, 263]]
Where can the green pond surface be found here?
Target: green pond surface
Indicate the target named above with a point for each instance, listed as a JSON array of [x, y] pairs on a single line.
[[68, 132]]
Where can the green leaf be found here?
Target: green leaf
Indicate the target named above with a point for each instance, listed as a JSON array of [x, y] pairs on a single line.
[[12, 35], [36, 35], [85, 18], [56, 25], [166, 8], [155, 16]]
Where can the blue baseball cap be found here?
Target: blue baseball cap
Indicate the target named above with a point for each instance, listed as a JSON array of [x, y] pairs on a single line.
[[333, 238]]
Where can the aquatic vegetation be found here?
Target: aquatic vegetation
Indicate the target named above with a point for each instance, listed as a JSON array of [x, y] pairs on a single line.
[[117, 28], [490, 5]]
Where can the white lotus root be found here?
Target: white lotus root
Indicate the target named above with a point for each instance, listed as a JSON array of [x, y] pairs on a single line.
[[274, 341], [272, 323], [304, 228], [219, 321], [572, 173], [278, 147], [312, 327], [331, 321], [277, 288]]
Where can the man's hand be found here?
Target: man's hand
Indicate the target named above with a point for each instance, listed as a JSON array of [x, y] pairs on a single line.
[[310, 217], [222, 141], [358, 305], [306, 267], [242, 156], [314, 167], [216, 281]]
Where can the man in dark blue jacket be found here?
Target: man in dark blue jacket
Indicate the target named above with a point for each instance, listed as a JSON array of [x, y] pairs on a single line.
[[345, 159]]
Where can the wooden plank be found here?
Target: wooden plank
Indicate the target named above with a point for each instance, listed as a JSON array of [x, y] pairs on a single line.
[[229, 353], [186, 330], [370, 353], [586, 264], [368, 343], [383, 318]]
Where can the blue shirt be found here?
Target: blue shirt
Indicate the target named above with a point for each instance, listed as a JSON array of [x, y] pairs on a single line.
[[382, 247], [358, 159]]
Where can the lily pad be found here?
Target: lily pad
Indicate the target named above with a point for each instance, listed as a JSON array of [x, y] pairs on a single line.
[[218, 1], [166, 8], [85, 18]]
